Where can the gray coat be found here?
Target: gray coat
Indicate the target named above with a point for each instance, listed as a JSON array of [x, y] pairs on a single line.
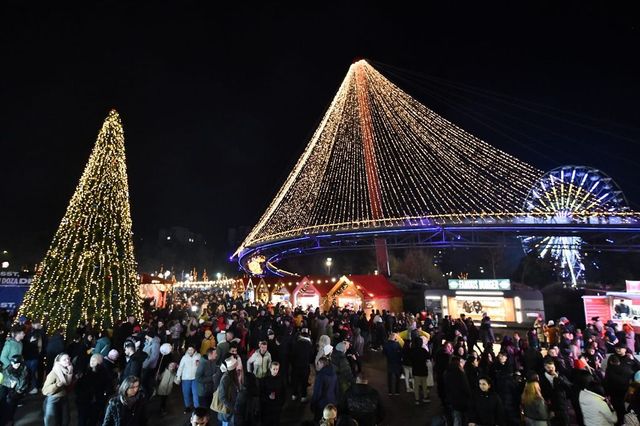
[[208, 377], [152, 349]]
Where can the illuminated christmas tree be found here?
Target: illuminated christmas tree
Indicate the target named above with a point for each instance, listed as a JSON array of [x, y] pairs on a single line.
[[89, 271]]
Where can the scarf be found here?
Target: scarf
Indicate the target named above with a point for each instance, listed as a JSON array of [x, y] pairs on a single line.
[[63, 374], [130, 401]]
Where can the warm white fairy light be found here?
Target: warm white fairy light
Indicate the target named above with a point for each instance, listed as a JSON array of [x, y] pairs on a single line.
[[89, 271], [428, 170]]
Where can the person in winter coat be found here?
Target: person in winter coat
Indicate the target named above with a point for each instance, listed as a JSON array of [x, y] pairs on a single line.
[[187, 377], [534, 407], [13, 346], [208, 377], [103, 344], [134, 361], [616, 382], [15, 383], [486, 332], [358, 342], [362, 403], [323, 341], [325, 388], [56, 388], [209, 341], [342, 367], [596, 410], [457, 391], [301, 358], [419, 355], [165, 386], [272, 396], [555, 388], [228, 391], [128, 407], [92, 390], [259, 362], [486, 407], [505, 386], [55, 346], [472, 371], [393, 353], [152, 349]]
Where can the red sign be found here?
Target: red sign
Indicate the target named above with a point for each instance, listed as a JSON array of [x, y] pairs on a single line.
[[596, 306]]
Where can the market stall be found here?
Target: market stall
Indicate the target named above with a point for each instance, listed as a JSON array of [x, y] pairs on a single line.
[[379, 292], [262, 292], [618, 306], [281, 294], [497, 298], [311, 290], [344, 294]]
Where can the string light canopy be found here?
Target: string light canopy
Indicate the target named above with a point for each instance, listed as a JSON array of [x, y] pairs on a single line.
[[419, 165], [380, 163], [89, 272]]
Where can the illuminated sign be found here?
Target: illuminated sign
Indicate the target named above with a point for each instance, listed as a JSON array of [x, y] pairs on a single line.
[[499, 284]]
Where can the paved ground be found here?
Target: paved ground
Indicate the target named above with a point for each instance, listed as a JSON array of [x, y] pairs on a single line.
[[399, 409]]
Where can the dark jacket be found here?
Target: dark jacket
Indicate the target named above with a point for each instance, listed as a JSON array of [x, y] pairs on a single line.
[[205, 375], [325, 388], [419, 357], [473, 375], [228, 391], [456, 385], [557, 396], [302, 354], [17, 380], [393, 352], [118, 414], [486, 409], [342, 369], [134, 365], [94, 386], [362, 403], [276, 386]]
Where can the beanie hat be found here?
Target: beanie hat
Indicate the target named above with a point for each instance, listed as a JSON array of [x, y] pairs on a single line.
[[229, 364], [341, 347], [327, 349], [113, 355]]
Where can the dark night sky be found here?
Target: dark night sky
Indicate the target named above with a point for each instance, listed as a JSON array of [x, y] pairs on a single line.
[[218, 102]]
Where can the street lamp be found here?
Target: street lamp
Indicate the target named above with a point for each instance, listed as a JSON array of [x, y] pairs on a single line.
[[328, 264], [219, 276]]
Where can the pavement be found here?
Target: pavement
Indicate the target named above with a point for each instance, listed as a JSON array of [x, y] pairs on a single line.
[[399, 409]]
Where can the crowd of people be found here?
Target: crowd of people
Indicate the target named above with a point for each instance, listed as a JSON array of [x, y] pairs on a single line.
[[236, 363]]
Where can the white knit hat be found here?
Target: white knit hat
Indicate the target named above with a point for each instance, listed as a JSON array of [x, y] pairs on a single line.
[[327, 349]]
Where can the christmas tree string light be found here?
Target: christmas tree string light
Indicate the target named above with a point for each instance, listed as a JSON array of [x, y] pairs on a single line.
[[89, 272]]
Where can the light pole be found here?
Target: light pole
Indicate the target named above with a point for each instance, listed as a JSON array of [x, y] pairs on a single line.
[[328, 264]]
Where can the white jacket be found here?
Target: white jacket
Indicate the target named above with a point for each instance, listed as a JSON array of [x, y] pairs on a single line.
[[188, 366], [595, 410], [259, 364]]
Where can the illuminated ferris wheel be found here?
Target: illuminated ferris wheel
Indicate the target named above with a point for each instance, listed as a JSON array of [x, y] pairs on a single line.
[[565, 195]]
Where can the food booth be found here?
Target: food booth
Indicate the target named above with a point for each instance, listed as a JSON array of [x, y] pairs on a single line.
[[497, 298], [280, 294], [379, 292], [311, 290], [262, 292], [618, 306], [344, 294]]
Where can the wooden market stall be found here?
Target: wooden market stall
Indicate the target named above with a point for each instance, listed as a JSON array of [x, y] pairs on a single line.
[[344, 294], [379, 292], [154, 287], [262, 293], [279, 292], [310, 291]]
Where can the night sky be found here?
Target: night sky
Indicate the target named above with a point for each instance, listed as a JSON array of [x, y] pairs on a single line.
[[218, 101]]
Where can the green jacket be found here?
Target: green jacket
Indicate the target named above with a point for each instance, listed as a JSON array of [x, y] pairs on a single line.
[[11, 348]]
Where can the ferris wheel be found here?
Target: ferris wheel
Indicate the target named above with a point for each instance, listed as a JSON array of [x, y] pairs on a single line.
[[570, 194]]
